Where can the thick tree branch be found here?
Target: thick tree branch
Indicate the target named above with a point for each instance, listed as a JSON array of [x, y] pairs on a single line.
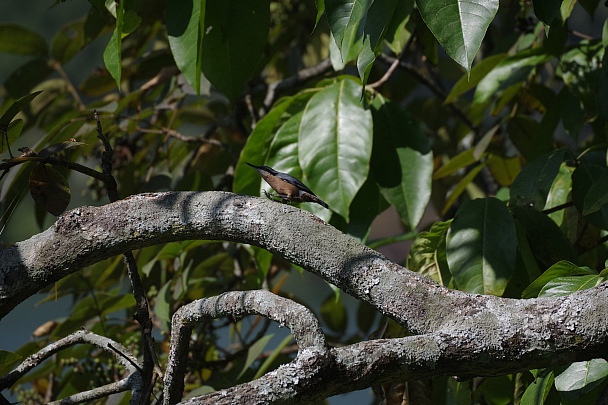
[[463, 333]]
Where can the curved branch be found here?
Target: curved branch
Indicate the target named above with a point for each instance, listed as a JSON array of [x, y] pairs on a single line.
[[512, 334], [304, 327]]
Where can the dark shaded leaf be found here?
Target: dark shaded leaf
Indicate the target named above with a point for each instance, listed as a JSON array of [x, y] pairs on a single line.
[[19, 40], [49, 189]]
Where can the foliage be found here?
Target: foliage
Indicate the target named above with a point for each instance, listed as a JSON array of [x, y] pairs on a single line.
[[503, 137]]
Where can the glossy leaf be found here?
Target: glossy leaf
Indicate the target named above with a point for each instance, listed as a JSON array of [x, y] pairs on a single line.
[[427, 254], [344, 17], [581, 377], [560, 269], [481, 246], [459, 26], [402, 161], [185, 19], [508, 72], [561, 286], [531, 187], [335, 144], [559, 193], [19, 40], [112, 53], [233, 42]]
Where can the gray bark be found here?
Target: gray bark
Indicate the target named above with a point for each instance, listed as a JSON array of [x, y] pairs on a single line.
[[458, 333]]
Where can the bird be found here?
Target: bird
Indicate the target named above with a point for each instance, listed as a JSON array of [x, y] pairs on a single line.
[[288, 188]]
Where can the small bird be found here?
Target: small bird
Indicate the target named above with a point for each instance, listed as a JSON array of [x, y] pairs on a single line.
[[288, 188]]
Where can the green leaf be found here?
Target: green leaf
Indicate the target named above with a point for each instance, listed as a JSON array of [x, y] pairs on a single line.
[[19, 40], [402, 160], [320, 5], [233, 42], [504, 169], [562, 269], [547, 241], [481, 246], [460, 161], [597, 196], [580, 378], [58, 147], [532, 185], [162, 307], [561, 286], [529, 138], [184, 28], [479, 71], [335, 144], [7, 361], [334, 313], [15, 108], [461, 186], [427, 254], [376, 24], [270, 359], [253, 353], [459, 26], [537, 392], [112, 53], [508, 72], [344, 17]]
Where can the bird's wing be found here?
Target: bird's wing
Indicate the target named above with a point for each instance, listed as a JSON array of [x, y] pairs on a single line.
[[292, 180]]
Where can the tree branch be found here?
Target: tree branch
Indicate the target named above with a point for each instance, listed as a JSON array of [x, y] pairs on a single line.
[[462, 333], [122, 355]]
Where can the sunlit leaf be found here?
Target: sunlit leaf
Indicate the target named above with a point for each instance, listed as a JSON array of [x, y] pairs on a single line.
[[427, 254], [581, 378], [458, 25], [561, 269], [481, 246], [254, 352], [335, 144], [112, 53]]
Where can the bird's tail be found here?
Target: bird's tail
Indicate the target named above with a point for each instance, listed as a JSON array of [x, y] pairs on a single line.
[[314, 198]]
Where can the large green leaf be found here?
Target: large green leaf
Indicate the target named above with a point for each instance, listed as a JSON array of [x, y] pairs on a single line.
[[536, 393], [459, 25], [531, 187], [68, 41], [479, 71], [563, 268], [233, 42], [481, 246], [402, 160], [546, 10], [508, 72], [19, 40], [185, 19], [112, 53], [560, 286], [335, 144]]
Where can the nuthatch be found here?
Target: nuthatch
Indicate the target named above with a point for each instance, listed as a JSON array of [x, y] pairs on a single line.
[[288, 188]]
